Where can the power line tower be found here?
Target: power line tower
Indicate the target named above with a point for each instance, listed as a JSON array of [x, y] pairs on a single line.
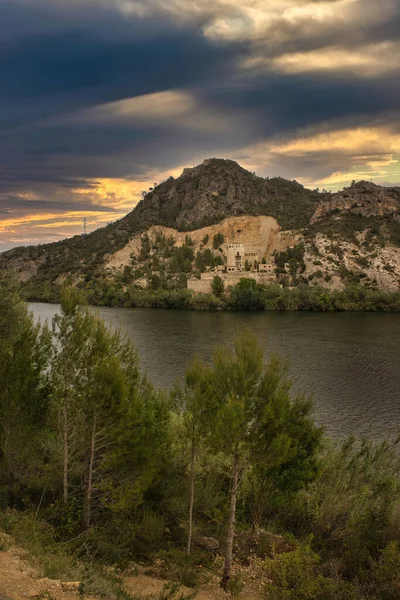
[[84, 226]]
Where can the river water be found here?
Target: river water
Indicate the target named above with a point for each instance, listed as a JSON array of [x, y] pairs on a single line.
[[349, 362]]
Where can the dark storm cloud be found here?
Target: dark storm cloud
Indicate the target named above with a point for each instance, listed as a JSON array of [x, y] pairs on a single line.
[[283, 104], [60, 60], [78, 62], [60, 65], [12, 205]]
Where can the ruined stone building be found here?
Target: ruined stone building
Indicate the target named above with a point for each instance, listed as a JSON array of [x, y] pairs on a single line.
[[238, 264], [235, 257]]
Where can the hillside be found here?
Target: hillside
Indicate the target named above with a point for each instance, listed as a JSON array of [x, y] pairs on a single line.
[[308, 237]]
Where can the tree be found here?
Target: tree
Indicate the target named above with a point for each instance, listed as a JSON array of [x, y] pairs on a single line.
[[154, 282], [145, 248], [188, 241], [99, 396], [196, 417], [247, 294], [187, 265], [25, 350], [200, 264], [257, 422], [218, 240], [217, 286]]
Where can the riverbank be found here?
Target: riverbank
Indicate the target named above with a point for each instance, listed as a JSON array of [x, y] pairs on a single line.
[[246, 295], [101, 473]]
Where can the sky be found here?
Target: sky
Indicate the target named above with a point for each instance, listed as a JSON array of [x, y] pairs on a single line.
[[101, 99]]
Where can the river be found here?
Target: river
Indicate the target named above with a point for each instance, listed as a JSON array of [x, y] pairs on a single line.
[[349, 362]]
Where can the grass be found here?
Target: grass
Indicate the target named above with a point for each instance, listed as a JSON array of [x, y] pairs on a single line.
[[36, 538], [57, 561]]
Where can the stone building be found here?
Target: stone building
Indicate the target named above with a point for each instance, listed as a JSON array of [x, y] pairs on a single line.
[[238, 264], [235, 257], [266, 268]]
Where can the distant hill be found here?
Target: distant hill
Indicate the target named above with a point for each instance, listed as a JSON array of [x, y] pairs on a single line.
[[353, 235]]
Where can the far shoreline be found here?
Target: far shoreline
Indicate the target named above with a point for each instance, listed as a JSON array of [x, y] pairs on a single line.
[[243, 297]]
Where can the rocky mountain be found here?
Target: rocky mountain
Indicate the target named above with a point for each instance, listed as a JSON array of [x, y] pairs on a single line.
[[363, 198], [311, 237], [206, 194]]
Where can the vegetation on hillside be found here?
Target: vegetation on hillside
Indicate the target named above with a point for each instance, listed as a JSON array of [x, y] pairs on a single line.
[[380, 230], [247, 294], [97, 468], [364, 215], [240, 193]]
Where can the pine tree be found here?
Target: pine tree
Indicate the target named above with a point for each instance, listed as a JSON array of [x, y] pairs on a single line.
[[217, 286], [24, 355], [257, 422], [107, 411], [197, 416]]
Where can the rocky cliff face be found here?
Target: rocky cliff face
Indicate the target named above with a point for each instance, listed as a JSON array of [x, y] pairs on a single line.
[[362, 198], [219, 188], [351, 236]]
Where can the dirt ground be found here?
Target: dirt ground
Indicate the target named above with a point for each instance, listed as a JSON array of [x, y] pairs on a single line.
[[142, 584], [19, 581]]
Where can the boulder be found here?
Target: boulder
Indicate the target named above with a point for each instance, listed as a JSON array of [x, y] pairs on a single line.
[[208, 543], [70, 586]]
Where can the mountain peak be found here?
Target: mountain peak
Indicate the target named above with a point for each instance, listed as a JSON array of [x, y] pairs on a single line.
[[217, 188], [208, 194], [214, 164]]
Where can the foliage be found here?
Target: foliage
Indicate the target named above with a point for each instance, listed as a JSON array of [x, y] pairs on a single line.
[[257, 423], [297, 576], [247, 294], [384, 579], [121, 491], [206, 258], [346, 225], [218, 240], [24, 393], [293, 257], [106, 415], [349, 507], [217, 286]]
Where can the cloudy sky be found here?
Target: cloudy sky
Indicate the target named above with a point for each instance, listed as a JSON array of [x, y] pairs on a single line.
[[99, 99]]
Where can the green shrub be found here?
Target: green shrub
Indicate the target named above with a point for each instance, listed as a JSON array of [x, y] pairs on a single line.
[[297, 575], [236, 585], [218, 240], [349, 507], [385, 573]]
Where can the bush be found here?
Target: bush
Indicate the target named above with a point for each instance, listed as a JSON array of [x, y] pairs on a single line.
[[176, 565], [349, 508], [247, 294], [218, 240], [217, 286], [385, 573], [297, 576]]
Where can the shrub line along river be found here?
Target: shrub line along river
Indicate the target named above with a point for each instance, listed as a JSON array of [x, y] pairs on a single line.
[[349, 362]]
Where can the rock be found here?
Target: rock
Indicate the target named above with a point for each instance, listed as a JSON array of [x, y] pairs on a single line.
[[49, 584], [70, 586], [208, 543]]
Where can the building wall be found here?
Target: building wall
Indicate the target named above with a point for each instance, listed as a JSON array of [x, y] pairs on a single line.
[[234, 257], [235, 270], [200, 286], [267, 268], [203, 285]]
